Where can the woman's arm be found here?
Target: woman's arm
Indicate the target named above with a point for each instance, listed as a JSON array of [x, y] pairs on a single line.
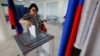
[[26, 22], [43, 20]]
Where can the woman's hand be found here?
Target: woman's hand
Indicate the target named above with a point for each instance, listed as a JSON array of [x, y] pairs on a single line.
[[26, 22]]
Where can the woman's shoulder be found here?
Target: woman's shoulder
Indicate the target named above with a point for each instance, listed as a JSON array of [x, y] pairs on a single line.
[[27, 14]]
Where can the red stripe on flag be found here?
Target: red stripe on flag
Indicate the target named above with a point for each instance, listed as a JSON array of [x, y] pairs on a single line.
[[74, 31], [11, 17]]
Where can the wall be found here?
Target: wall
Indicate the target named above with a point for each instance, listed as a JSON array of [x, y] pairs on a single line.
[[5, 30], [53, 7]]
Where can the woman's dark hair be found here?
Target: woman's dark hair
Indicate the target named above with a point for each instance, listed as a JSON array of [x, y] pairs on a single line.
[[33, 5]]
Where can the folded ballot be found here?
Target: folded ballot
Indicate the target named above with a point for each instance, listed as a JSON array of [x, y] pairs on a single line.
[[32, 31]]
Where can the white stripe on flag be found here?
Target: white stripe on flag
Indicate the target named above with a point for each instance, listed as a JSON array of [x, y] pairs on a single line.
[[86, 18], [91, 32]]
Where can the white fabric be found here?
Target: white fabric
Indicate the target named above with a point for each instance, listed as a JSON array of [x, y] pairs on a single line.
[[84, 26], [90, 45]]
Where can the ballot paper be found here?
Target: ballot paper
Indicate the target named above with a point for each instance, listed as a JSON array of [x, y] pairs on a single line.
[[32, 31]]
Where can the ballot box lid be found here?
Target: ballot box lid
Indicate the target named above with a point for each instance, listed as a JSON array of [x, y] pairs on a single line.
[[26, 42]]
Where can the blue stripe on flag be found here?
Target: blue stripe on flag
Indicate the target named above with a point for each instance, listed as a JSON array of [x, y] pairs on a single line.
[[67, 26], [81, 2]]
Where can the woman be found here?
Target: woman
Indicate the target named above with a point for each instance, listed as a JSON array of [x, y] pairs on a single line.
[[32, 18]]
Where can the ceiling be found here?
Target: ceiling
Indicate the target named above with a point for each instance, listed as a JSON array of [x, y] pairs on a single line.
[[21, 2], [25, 2]]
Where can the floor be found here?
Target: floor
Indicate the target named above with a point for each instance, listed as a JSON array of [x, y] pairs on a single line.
[[8, 48]]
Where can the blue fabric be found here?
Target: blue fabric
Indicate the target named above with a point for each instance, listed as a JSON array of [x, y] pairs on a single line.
[[26, 10], [18, 27], [20, 10], [81, 2], [67, 26]]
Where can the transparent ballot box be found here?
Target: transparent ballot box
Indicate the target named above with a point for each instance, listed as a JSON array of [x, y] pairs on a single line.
[[42, 45]]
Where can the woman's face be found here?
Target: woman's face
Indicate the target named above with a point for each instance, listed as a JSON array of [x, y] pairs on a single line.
[[33, 11]]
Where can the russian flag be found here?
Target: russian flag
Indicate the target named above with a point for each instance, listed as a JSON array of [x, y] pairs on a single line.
[[67, 26], [14, 17], [74, 28]]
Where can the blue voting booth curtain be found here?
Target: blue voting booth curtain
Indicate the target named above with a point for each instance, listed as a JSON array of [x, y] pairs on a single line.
[[67, 26], [26, 10], [21, 10]]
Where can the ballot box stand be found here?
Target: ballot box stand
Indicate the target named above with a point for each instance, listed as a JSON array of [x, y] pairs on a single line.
[[28, 46]]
